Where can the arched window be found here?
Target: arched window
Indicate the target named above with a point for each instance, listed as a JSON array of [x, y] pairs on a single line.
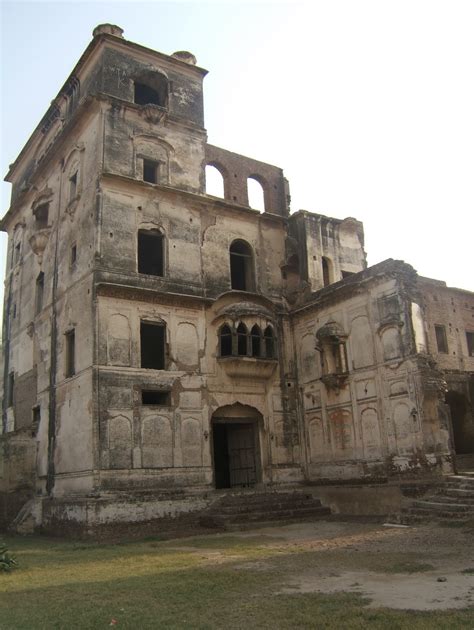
[[326, 265], [269, 342], [151, 252], [151, 89], [256, 339], [214, 181], [241, 266], [225, 341], [242, 335], [256, 194]]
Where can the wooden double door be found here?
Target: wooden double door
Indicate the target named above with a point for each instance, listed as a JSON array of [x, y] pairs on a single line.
[[236, 453]]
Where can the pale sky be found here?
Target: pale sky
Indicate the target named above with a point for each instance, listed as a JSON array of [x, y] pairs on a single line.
[[368, 106]]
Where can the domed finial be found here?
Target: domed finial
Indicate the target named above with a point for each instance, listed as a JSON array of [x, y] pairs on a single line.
[[107, 29], [184, 55]]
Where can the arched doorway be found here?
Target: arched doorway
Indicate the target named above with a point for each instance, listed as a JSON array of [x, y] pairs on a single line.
[[236, 446], [462, 423]]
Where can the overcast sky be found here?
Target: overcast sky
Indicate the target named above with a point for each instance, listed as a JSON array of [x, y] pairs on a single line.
[[368, 106]]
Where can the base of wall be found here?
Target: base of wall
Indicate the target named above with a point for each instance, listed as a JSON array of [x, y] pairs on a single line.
[[178, 513]]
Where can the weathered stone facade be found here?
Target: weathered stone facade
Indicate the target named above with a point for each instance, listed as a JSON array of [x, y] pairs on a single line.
[[160, 342]]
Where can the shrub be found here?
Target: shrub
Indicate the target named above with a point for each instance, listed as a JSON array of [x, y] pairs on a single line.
[[7, 561]]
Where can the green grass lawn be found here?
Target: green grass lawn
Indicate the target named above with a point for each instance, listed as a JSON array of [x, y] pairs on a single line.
[[207, 582]]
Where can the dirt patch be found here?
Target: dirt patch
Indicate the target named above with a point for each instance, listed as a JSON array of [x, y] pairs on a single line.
[[426, 567], [402, 591]]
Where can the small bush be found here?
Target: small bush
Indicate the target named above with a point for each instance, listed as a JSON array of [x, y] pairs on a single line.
[[7, 561]]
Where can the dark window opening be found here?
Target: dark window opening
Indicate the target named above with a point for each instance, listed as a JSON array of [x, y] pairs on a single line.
[[269, 343], [73, 257], [11, 388], [441, 340], [70, 353], [35, 419], [470, 343], [145, 95], [242, 340], [39, 293], [225, 340], [41, 215], [155, 397], [73, 186], [255, 337], [150, 253], [150, 171], [326, 274], [17, 254], [152, 341], [241, 274]]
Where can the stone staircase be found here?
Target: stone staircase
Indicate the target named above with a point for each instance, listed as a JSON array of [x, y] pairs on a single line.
[[253, 508], [452, 501]]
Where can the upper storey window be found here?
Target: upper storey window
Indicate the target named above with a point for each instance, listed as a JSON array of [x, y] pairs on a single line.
[[215, 184], [41, 215], [151, 89], [144, 95], [150, 252], [441, 339], [241, 266], [150, 171], [256, 194], [73, 186], [326, 265]]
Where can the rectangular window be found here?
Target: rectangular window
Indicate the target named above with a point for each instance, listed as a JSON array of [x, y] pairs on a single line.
[[39, 293], [150, 252], [470, 343], [73, 186], [441, 340], [73, 256], [41, 215], [70, 353], [150, 171], [11, 389], [155, 397], [36, 416], [17, 253], [152, 343]]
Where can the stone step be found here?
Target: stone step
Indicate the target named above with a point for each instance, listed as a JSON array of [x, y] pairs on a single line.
[[461, 479], [282, 513], [257, 517], [423, 517], [449, 498], [261, 498], [453, 500], [269, 507], [441, 505], [453, 491], [243, 508], [428, 516]]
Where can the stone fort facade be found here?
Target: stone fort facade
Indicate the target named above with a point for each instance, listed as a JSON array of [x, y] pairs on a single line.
[[162, 344]]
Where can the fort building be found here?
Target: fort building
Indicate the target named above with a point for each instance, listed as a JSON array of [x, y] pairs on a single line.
[[162, 345]]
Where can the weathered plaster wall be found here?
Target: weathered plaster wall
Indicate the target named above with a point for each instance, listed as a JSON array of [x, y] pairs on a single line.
[[341, 243], [381, 418]]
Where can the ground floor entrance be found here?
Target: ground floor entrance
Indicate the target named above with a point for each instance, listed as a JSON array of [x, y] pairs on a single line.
[[462, 422], [236, 452]]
